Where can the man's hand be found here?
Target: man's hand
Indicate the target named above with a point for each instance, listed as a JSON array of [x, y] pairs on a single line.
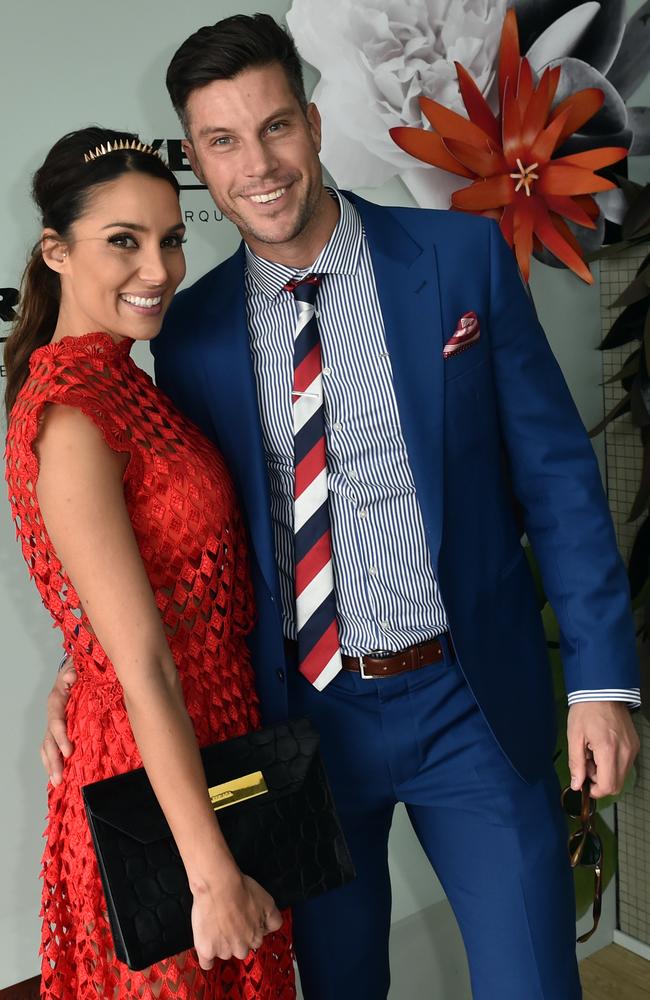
[[602, 745], [56, 745]]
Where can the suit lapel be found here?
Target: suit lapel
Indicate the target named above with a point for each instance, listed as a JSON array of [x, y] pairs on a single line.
[[406, 275], [234, 407]]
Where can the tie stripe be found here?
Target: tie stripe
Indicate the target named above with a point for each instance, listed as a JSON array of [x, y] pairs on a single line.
[[316, 557], [307, 504], [312, 531], [307, 468], [310, 598], [309, 369], [311, 432], [323, 661], [319, 653]]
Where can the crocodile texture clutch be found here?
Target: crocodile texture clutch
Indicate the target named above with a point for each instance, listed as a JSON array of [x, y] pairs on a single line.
[[276, 813]]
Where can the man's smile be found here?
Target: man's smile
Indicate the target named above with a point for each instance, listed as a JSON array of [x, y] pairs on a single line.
[[270, 196]]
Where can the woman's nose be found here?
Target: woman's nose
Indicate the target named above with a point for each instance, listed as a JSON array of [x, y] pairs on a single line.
[[153, 267]]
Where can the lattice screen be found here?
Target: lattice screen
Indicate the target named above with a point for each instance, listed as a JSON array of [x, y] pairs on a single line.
[[623, 451]]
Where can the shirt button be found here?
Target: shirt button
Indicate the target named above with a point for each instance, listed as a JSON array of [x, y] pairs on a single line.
[[384, 354], [338, 426], [280, 674], [327, 371], [353, 474], [363, 513], [372, 570], [385, 624]]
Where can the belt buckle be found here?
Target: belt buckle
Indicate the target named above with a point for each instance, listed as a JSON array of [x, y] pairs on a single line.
[[362, 671], [374, 652]]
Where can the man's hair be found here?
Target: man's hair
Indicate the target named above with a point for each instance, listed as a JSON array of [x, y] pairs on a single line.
[[222, 50]]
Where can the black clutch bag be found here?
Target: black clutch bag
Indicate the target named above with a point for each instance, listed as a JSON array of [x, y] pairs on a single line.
[[276, 813]]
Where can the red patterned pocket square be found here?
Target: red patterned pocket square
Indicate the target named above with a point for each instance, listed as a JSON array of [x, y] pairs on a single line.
[[467, 333]]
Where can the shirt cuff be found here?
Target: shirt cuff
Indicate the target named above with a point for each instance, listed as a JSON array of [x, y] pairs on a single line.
[[631, 695]]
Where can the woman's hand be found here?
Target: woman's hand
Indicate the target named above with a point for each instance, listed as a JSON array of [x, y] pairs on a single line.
[[232, 918]]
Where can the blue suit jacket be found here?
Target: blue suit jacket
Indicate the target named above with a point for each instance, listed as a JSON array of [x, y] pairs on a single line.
[[505, 396]]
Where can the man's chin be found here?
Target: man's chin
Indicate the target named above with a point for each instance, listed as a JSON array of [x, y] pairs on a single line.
[[273, 235]]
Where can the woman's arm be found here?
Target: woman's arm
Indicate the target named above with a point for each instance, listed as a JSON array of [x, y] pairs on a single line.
[[81, 498]]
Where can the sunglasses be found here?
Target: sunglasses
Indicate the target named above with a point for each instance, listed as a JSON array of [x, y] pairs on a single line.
[[585, 845]]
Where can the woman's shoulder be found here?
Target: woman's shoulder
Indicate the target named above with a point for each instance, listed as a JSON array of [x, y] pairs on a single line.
[[96, 351], [81, 375]]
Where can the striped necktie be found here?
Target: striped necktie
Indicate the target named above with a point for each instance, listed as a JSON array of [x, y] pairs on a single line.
[[319, 655]]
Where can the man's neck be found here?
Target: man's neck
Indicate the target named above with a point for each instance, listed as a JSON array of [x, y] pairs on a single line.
[[303, 250]]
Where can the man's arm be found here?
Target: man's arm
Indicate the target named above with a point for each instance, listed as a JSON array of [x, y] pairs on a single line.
[[557, 481], [56, 746]]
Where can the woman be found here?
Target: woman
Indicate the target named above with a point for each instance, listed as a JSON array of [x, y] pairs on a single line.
[[129, 526]]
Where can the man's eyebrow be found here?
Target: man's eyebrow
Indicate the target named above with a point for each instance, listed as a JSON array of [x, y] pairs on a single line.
[[215, 129], [138, 228]]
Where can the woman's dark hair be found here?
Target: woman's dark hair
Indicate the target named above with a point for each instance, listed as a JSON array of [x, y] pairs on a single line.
[[60, 189], [220, 51]]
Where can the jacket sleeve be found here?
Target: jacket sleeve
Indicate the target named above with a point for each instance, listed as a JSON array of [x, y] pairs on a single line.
[[557, 481]]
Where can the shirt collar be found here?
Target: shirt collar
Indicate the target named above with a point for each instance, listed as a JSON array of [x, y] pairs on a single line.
[[340, 255]]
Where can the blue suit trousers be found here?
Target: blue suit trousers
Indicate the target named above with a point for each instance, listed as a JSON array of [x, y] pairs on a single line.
[[497, 844]]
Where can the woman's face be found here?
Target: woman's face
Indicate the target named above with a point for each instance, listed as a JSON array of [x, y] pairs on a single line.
[[123, 260]]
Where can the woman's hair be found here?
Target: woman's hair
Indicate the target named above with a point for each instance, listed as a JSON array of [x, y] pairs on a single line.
[[220, 51], [60, 188]]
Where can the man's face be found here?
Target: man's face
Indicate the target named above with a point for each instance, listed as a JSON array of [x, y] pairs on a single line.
[[257, 152]]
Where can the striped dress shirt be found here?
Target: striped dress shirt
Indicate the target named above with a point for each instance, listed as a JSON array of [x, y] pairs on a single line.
[[386, 591]]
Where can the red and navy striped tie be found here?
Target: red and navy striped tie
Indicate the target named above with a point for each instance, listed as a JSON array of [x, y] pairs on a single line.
[[319, 654]]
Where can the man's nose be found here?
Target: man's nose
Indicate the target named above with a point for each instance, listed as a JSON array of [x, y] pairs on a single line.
[[259, 159]]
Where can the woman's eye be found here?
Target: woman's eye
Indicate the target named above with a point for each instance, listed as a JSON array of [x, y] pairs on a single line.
[[173, 242], [124, 240]]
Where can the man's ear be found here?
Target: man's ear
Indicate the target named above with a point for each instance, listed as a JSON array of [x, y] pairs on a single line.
[[312, 114], [190, 153], [55, 250]]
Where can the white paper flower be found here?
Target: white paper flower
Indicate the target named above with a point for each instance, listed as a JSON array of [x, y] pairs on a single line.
[[376, 57]]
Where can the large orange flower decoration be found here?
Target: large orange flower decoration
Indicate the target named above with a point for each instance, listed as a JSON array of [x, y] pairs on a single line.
[[509, 156]]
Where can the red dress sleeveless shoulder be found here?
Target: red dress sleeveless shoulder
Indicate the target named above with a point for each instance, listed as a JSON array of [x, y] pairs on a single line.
[[184, 514]]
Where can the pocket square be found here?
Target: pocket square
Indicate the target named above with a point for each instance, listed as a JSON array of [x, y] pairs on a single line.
[[466, 333]]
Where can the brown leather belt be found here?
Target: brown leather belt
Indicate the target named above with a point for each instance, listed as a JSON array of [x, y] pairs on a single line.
[[411, 658]]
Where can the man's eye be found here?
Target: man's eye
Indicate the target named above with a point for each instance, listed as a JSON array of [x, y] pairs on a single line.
[[222, 140], [124, 240], [276, 126]]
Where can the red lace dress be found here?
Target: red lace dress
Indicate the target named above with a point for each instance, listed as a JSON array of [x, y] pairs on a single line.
[[181, 502]]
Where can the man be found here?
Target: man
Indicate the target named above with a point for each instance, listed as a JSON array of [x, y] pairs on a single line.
[[433, 368]]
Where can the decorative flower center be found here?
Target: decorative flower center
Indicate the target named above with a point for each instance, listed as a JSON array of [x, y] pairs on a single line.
[[525, 177]]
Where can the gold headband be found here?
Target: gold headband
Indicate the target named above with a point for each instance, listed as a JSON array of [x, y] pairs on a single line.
[[118, 144]]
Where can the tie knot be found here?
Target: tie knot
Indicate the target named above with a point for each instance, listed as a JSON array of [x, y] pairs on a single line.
[[304, 289]]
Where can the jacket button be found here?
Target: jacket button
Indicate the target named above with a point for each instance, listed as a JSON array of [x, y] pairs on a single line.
[[280, 674]]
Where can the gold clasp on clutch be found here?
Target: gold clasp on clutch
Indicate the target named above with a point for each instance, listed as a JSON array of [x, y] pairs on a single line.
[[237, 790]]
